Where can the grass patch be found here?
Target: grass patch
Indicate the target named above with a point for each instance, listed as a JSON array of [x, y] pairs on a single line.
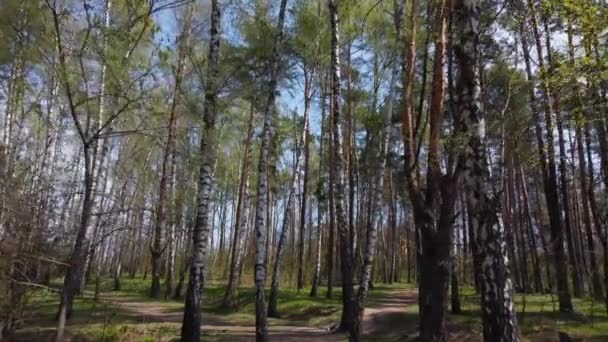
[[538, 314], [110, 319], [103, 321]]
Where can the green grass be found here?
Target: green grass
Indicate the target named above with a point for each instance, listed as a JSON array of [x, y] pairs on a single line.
[[101, 322], [537, 314]]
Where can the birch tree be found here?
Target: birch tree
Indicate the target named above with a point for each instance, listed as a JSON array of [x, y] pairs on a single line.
[[498, 310], [261, 207], [191, 324]]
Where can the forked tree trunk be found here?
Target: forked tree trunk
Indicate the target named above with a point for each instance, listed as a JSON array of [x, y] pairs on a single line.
[[433, 207], [77, 261], [434, 216]]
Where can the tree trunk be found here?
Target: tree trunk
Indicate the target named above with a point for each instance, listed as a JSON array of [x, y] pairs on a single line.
[[304, 202], [498, 310], [321, 200], [287, 221], [346, 262], [261, 217], [577, 285], [175, 222], [435, 267], [599, 103], [585, 186], [531, 236], [191, 324], [393, 222], [376, 222], [75, 270], [186, 261], [455, 292], [548, 167], [241, 220], [156, 249], [331, 242]]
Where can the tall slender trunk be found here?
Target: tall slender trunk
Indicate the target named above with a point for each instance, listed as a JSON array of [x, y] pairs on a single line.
[[349, 153], [393, 222], [261, 217], [530, 235], [346, 262], [591, 43], [317, 259], [156, 249], [547, 159], [305, 146], [376, 221], [230, 297], [510, 241], [174, 222], [287, 221], [577, 284], [454, 290], [514, 211], [541, 227], [586, 208], [185, 264], [331, 242], [191, 324], [408, 249], [321, 199], [592, 202]]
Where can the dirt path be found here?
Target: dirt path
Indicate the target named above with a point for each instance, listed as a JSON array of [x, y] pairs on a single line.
[[384, 315], [387, 314]]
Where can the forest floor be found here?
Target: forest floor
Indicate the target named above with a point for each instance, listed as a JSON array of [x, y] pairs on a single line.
[[391, 315]]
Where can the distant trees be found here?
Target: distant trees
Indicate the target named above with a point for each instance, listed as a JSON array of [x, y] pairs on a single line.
[[89, 130], [127, 138]]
